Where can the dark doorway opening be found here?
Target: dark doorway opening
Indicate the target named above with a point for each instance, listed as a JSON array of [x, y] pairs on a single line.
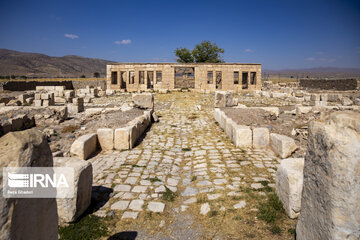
[[122, 80], [218, 80], [245, 80], [150, 80], [184, 77], [113, 77]]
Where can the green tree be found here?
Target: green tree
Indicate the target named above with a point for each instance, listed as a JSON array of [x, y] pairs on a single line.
[[207, 52], [184, 55]]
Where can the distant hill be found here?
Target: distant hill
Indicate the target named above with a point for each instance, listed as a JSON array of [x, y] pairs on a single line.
[[321, 72], [40, 65]]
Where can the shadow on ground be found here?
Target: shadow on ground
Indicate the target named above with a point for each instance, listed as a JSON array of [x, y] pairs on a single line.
[[127, 235]]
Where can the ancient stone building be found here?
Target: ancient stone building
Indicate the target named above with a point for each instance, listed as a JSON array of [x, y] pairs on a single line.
[[208, 76]]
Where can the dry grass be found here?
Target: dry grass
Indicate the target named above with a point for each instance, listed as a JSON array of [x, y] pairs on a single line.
[[71, 128]]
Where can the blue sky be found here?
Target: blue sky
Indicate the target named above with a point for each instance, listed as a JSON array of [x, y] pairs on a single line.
[[278, 34]]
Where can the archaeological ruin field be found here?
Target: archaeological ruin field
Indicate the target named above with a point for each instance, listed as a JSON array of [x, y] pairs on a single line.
[[273, 163]]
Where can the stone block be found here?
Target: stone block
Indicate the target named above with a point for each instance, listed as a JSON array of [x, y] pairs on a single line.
[[334, 97], [70, 209], [106, 138], [289, 184], [315, 97], [229, 128], [84, 146], [38, 103], [27, 218], [303, 110], [224, 99], [143, 100], [261, 137], [123, 138], [69, 93], [345, 101], [282, 145], [45, 96], [331, 191], [242, 136]]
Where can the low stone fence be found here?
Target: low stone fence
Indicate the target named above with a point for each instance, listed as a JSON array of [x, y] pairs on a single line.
[[257, 137], [108, 139], [330, 84]]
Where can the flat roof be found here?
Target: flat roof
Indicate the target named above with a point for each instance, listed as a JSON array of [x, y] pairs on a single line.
[[175, 63]]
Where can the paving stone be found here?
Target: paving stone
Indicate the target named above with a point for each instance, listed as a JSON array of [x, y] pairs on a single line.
[[120, 205], [189, 191], [214, 196], [131, 180], [139, 189], [122, 188], [128, 214], [190, 201], [136, 205], [156, 206], [241, 204], [205, 208]]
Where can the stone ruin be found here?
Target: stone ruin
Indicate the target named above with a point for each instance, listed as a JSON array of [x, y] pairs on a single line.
[[319, 187]]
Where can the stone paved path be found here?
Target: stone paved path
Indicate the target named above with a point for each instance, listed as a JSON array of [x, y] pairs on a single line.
[[188, 154]]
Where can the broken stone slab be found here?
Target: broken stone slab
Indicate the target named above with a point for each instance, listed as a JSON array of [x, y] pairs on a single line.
[[70, 209], [282, 145], [242, 136], [289, 184], [143, 100], [224, 99], [106, 138], [84, 146], [261, 137], [27, 218], [331, 191]]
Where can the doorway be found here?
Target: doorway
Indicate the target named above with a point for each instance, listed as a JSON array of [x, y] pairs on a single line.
[[218, 80], [150, 80], [122, 80], [245, 80]]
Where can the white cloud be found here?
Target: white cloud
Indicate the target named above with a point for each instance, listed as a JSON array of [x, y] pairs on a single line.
[[123, 42], [310, 59], [320, 53], [248, 50], [156, 59], [72, 36]]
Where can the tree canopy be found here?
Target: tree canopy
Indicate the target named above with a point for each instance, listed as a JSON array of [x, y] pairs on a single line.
[[205, 52]]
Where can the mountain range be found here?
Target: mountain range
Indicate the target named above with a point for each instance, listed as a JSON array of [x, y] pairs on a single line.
[[41, 65]]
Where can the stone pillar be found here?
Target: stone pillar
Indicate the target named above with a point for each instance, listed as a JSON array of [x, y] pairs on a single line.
[[26, 218], [330, 204]]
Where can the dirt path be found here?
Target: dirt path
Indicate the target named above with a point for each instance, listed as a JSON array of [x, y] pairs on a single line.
[[186, 180]]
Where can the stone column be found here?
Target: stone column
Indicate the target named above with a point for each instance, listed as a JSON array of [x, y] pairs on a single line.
[[330, 204]]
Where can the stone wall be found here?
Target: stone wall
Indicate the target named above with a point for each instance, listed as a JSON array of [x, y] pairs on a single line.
[[168, 75], [31, 85], [330, 84]]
